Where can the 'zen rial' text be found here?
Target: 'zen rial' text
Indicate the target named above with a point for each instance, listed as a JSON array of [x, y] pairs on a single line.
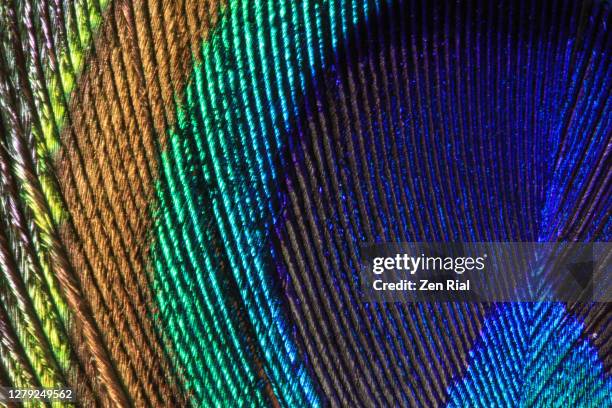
[[422, 285]]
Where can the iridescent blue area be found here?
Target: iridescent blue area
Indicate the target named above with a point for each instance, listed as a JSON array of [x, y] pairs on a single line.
[[311, 127], [543, 363], [447, 122]]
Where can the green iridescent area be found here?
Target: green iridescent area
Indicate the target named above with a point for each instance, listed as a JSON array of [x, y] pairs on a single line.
[[216, 198]]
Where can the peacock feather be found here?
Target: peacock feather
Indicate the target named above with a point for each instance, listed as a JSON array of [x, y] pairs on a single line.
[[186, 187]]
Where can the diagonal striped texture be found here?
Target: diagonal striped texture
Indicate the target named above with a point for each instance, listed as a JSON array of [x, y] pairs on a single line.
[[185, 187]]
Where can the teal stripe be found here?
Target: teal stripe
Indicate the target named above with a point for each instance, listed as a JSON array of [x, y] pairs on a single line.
[[216, 201]]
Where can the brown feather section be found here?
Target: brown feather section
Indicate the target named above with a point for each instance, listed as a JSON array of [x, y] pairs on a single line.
[[119, 115]]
